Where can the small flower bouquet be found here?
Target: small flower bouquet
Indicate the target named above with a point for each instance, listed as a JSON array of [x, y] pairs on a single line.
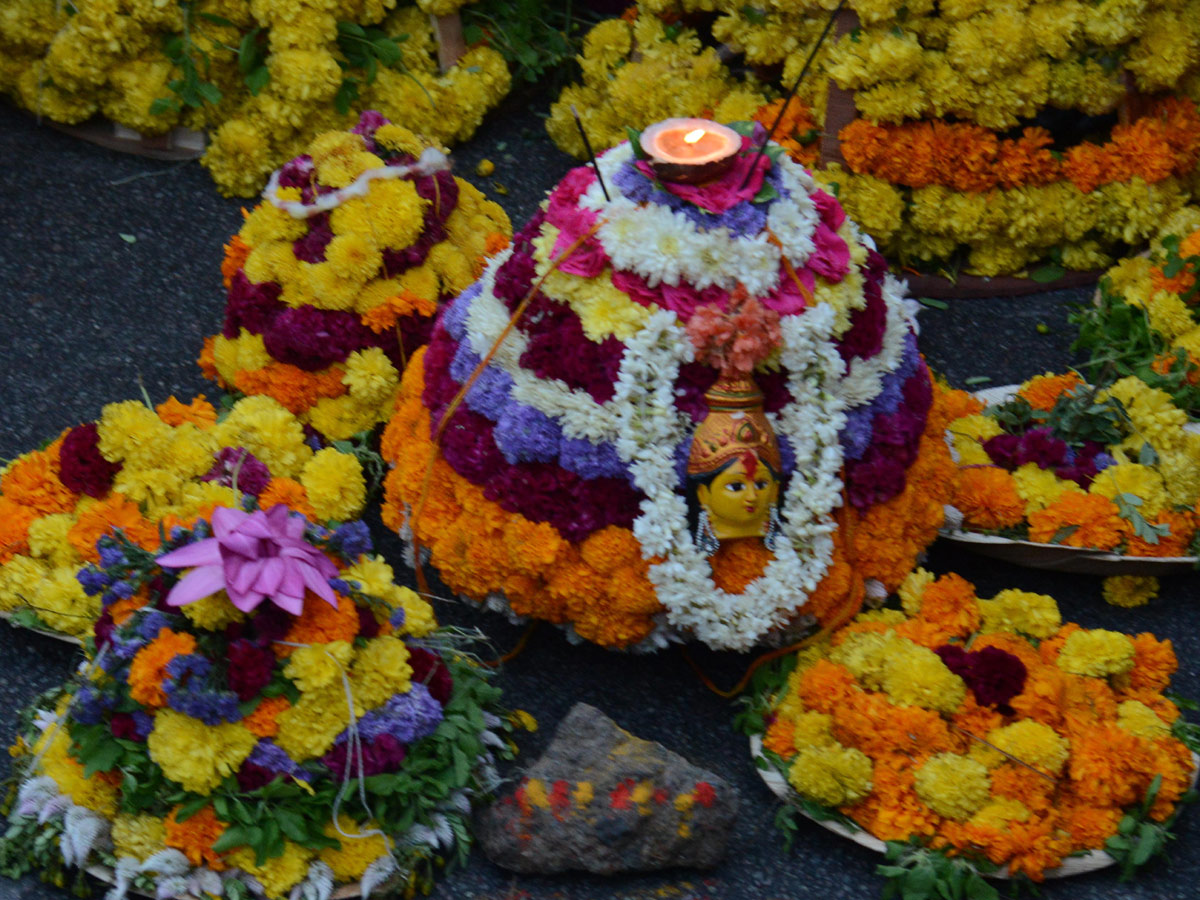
[[1146, 318], [145, 472], [334, 279], [979, 736], [263, 713], [1113, 469], [544, 442]]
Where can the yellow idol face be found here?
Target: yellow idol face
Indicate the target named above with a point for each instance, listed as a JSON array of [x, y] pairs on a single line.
[[739, 502]]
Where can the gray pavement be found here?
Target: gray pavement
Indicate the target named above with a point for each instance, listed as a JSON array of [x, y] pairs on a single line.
[[86, 316]]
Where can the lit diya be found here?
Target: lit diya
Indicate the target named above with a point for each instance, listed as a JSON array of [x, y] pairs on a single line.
[[690, 151]]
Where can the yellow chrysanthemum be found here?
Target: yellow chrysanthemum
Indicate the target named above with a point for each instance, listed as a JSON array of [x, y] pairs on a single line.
[[334, 483], [913, 587], [1097, 653], [318, 665], [1036, 615], [1039, 487], [360, 846], [969, 433], [1033, 743], [371, 377], [195, 755], [139, 836], [1136, 480], [1130, 590], [380, 671], [953, 786], [214, 612], [279, 874], [831, 775], [1139, 719]]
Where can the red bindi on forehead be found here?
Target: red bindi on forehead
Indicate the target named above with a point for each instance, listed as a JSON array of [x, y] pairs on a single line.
[[750, 463]]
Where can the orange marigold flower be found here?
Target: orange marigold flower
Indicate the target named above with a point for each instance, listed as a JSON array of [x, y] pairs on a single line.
[[1096, 520], [263, 722], [236, 252], [958, 404], [122, 609], [207, 361], [893, 811], [826, 686], [32, 481], [1042, 391], [1182, 527], [290, 493], [320, 623], [495, 242], [199, 412], [779, 737], [950, 601], [295, 389], [1180, 283], [609, 548], [150, 664], [1088, 825], [195, 836], [1024, 784], [988, 499], [737, 563], [797, 130], [1154, 663], [14, 529], [390, 311], [113, 512]]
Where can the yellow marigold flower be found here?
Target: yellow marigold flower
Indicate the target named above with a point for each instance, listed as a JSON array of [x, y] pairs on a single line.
[[62, 604], [884, 616], [195, 755], [279, 874], [1040, 487], [131, 432], [1153, 412], [1136, 479], [1036, 615], [399, 139], [304, 76], [393, 213], [339, 418], [419, 619], [361, 845], [95, 793], [353, 256], [331, 290], [380, 671], [1098, 653], [334, 483], [309, 728], [953, 786], [832, 775], [48, 539], [317, 665], [1139, 719], [1031, 742], [997, 814], [371, 377], [813, 729], [1130, 590], [139, 836], [916, 676], [1180, 469], [865, 655], [1169, 315], [969, 433], [214, 612], [913, 587], [239, 156], [268, 431], [19, 581]]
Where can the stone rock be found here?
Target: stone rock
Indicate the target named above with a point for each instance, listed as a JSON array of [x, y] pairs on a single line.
[[604, 801]]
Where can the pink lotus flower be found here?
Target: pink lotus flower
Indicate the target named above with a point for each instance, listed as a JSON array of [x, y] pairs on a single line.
[[253, 556]]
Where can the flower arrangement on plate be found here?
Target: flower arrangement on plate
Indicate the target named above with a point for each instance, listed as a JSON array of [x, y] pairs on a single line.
[[263, 713], [262, 78], [968, 736], [334, 278], [146, 471], [1144, 321], [925, 161], [690, 411], [1058, 462]]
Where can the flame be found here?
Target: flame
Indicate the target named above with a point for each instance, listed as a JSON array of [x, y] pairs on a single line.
[[692, 136]]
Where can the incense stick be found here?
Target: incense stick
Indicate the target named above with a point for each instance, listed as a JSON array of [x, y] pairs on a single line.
[[587, 145], [795, 86]]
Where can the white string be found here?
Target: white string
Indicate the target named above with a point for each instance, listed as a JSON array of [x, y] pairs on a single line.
[[432, 160]]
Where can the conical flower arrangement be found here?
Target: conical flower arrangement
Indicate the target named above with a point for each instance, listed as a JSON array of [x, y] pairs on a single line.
[[557, 486], [334, 279]]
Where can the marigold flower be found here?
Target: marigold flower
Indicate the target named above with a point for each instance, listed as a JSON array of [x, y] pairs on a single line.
[[988, 498], [195, 836]]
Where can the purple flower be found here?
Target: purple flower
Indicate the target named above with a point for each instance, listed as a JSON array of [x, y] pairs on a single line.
[[464, 363], [369, 122], [150, 623], [352, 540], [490, 391], [82, 468], [186, 687], [994, 676], [1039, 445], [525, 434], [396, 619], [92, 580], [297, 172], [254, 556], [407, 717], [266, 762], [1003, 449], [311, 247], [110, 552], [1102, 461], [454, 314], [88, 706], [588, 460]]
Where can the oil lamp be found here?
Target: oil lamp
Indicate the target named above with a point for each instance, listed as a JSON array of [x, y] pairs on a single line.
[[690, 151]]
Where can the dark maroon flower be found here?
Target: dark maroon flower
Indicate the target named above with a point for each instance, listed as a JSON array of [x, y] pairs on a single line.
[[369, 122], [382, 755], [313, 339], [81, 467], [271, 623], [311, 247], [250, 668], [251, 306], [297, 172], [876, 478], [104, 628], [1003, 449], [251, 776], [252, 475], [125, 727], [867, 325], [368, 625], [429, 669], [994, 676], [1039, 445]]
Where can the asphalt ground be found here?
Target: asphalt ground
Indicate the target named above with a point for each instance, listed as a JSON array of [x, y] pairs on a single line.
[[88, 317]]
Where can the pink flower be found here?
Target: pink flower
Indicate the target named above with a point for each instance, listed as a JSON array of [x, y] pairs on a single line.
[[253, 556], [831, 260], [726, 192]]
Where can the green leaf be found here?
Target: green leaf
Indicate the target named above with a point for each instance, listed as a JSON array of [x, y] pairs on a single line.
[[209, 91], [193, 806], [1063, 533], [1147, 456], [754, 16], [387, 51], [234, 836], [978, 379], [933, 302], [102, 759], [162, 105], [126, 237], [1048, 273], [352, 29], [258, 79], [248, 53], [216, 20], [766, 193]]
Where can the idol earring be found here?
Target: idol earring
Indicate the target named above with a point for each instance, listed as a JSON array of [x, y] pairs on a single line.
[[774, 530], [706, 540]]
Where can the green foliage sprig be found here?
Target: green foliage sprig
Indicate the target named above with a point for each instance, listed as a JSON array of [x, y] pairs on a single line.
[[1139, 838], [365, 49], [916, 872]]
